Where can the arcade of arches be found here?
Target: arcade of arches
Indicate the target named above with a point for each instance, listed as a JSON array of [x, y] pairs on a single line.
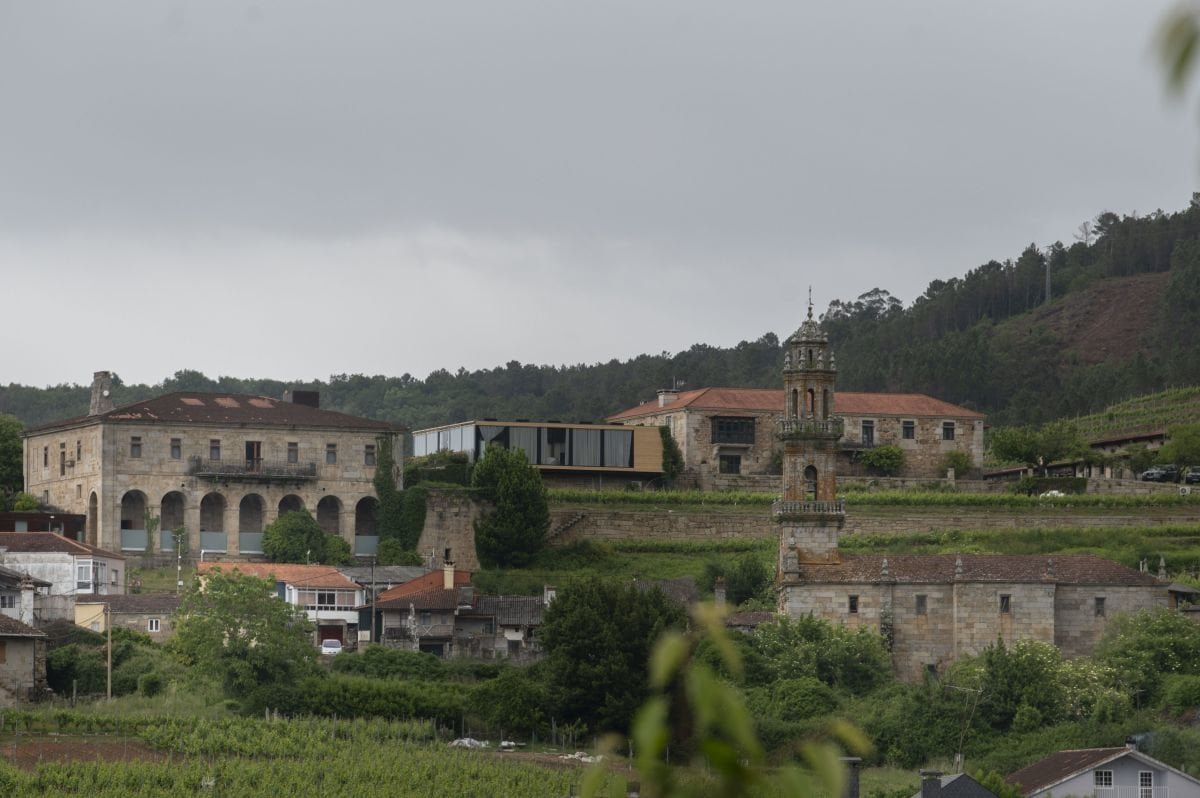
[[231, 522]]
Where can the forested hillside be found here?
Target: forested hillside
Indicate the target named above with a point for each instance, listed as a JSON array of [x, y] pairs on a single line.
[[1124, 321]]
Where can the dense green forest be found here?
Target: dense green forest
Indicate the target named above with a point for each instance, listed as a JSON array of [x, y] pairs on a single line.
[[1124, 320]]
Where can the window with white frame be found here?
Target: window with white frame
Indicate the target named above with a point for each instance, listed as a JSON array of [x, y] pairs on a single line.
[[152, 625], [8, 601], [947, 430], [908, 430], [1102, 779], [1145, 784]]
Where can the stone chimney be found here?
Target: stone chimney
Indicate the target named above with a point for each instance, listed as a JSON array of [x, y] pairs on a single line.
[[101, 393], [853, 768], [667, 396], [931, 783], [548, 594], [1162, 568], [719, 591], [448, 575], [25, 607]]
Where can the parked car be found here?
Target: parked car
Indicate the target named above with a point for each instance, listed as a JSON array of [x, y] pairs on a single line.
[[331, 647], [1192, 475], [1161, 473]]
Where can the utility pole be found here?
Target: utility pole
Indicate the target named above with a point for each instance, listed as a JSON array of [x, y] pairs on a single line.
[[178, 562], [374, 557], [108, 631]]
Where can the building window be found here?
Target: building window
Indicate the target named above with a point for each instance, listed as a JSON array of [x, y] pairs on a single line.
[[1005, 604], [868, 433], [135, 446], [62, 459], [947, 430], [922, 605], [369, 455], [732, 430], [152, 625], [45, 498], [78, 451], [3, 653], [214, 449], [1102, 779], [176, 448], [331, 454], [908, 430], [730, 464], [1099, 606], [1145, 784], [853, 608], [79, 491], [116, 576], [8, 601], [293, 453], [45, 457]]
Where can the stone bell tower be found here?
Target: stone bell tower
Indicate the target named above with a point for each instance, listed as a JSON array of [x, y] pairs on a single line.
[[809, 514]]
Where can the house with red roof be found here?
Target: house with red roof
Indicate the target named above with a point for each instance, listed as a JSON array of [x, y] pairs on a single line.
[[725, 432], [218, 466], [328, 597]]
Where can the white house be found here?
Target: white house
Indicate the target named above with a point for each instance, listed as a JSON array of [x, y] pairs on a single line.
[[328, 597], [1103, 773], [69, 566]]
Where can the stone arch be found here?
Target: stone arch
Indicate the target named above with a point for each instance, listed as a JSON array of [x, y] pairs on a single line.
[[170, 518], [810, 402], [290, 503], [366, 534], [825, 404], [212, 523], [93, 519], [329, 514], [133, 521], [794, 403], [810, 483], [251, 510]]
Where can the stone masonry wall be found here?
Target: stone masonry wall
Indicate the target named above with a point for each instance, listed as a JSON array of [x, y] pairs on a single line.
[[602, 523], [450, 524], [1078, 627]]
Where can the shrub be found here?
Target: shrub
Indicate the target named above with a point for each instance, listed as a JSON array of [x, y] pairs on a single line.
[[885, 460], [1181, 692], [960, 461], [150, 684], [793, 699]]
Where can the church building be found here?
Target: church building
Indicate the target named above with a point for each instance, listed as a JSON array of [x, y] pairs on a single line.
[[930, 608]]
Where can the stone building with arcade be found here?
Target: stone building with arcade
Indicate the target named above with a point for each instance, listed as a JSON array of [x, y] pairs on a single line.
[[930, 609], [220, 466]]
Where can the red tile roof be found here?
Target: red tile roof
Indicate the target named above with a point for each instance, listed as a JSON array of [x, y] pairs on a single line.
[[293, 574], [50, 542], [1069, 569], [11, 627], [193, 407], [437, 598], [136, 603], [1062, 765], [430, 581], [772, 400]]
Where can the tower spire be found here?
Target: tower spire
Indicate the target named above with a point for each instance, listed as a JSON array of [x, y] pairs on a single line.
[[810, 303]]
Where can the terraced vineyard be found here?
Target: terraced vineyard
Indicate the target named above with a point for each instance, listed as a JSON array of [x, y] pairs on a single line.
[[250, 757], [1150, 413]]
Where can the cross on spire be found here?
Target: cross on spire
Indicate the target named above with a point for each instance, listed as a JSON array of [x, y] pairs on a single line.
[[810, 303]]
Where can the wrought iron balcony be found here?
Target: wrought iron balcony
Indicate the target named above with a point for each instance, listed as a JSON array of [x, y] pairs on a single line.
[[810, 428], [784, 507], [252, 470]]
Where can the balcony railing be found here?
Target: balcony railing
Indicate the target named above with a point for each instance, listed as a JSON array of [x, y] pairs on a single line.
[[1131, 792], [783, 507], [266, 470], [810, 427]]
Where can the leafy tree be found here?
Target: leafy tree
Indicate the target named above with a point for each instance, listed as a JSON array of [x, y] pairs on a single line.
[[515, 701], [795, 648], [886, 460], [959, 460], [297, 537], [672, 457], [1038, 448], [748, 578], [515, 531], [1144, 647], [26, 503], [392, 552], [233, 629], [597, 637], [1182, 446], [1021, 683], [11, 479]]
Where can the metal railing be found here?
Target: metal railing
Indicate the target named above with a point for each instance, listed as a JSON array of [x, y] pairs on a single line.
[[1131, 792], [784, 507], [810, 426], [251, 469]]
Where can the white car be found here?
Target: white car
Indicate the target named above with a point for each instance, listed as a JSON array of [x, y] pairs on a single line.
[[331, 646]]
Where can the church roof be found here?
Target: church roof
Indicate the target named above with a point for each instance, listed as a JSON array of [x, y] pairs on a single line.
[[1068, 569], [773, 400]]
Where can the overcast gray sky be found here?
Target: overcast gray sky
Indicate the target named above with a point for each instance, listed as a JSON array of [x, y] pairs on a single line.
[[295, 189]]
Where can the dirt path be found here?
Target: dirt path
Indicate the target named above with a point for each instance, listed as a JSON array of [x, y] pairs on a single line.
[[27, 751]]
